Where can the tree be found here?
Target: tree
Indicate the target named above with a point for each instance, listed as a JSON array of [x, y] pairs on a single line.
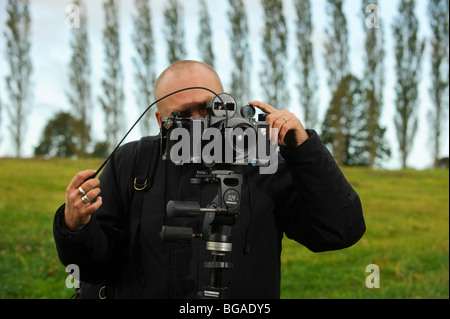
[[62, 137], [0, 118], [174, 31], [344, 87], [79, 95], [373, 84], [18, 80], [101, 150], [344, 126], [438, 114], [336, 45], [273, 75], [112, 83], [408, 54], [240, 51], [307, 84], [204, 39], [144, 61]]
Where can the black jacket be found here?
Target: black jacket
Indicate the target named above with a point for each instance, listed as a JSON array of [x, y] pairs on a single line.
[[308, 199]]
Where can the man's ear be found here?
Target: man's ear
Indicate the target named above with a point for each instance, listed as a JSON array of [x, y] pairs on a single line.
[[158, 117]]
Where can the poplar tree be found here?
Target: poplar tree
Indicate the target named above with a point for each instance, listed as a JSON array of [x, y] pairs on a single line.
[[144, 61], [1, 119], [174, 31], [336, 44], [113, 97], [408, 55], [204, 39], [372, 82], [274, 48], [307, 84], [240, 52], [18, 79], [344, 88], [79, 94], [438, 114]]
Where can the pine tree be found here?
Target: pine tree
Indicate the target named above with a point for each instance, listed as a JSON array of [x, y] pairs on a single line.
[[408, 55], [18, 80], [307, 84], [144, 61], [438, 114], [240, 51], [113, 97], [79, 96], [204, 39], [344, 126], [274, 47], [174, 31]]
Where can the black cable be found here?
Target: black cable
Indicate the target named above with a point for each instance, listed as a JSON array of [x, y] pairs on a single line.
[[142, 115]]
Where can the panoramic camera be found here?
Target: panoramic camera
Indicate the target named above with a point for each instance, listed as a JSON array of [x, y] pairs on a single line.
[[222, 137]]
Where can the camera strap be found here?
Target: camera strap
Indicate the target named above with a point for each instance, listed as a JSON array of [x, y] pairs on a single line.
[[145, 166]]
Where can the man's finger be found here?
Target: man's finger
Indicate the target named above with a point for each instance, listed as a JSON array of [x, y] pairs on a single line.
[[266, 108], [90, 184], [285, 128], [79, 179], [92, 208]]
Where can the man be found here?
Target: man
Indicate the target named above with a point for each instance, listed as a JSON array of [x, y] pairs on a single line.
[[308, 199]]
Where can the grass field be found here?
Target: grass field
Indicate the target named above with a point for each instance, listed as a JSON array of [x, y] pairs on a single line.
[[406, 212]]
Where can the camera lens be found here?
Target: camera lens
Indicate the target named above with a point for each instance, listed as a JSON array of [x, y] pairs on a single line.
[[248, 111]]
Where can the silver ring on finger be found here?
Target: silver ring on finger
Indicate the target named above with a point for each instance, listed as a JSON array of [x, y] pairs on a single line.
[[85, 199], [285, 120], [82, 192]]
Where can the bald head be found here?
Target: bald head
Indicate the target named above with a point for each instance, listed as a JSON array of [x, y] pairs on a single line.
[[181, 75], [185, 72]]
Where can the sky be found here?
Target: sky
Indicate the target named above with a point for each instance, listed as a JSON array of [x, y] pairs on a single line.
[[50, 52]]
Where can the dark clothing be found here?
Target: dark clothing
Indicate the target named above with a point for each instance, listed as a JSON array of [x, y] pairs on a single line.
[[308, 199]]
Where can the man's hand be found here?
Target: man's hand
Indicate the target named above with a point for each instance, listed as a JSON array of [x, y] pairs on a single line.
[[290, 130], [78, 213]]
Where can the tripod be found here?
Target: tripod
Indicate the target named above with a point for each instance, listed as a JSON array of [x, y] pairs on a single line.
[[219, 217]]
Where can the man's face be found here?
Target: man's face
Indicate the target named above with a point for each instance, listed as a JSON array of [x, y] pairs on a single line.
[[191, 103]]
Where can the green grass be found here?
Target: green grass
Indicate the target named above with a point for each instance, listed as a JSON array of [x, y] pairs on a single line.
[[30, 193], [407, 220], [406, 212]]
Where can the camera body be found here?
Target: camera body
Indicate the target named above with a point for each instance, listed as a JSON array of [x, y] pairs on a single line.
[[221, 137]]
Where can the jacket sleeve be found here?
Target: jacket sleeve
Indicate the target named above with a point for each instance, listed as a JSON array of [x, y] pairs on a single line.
[[321, 209], [97, 248]]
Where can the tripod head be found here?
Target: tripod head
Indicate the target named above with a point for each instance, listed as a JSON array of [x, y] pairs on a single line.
[[219, 217]]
